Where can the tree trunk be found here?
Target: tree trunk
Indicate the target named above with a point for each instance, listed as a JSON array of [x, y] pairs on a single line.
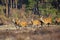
[[7, 8], [13, 3], [16, 3], [11, 7]]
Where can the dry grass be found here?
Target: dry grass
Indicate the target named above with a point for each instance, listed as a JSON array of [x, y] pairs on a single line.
[[43, 33]]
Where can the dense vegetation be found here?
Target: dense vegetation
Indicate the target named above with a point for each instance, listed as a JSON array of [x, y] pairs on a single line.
[[29, 8]]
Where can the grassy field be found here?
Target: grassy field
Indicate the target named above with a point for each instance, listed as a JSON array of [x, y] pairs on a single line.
[[30, 33]]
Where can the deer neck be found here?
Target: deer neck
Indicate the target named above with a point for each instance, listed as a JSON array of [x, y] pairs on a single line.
[[42, 19]]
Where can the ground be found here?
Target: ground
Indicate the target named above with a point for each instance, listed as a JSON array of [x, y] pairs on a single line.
[[30, 33]]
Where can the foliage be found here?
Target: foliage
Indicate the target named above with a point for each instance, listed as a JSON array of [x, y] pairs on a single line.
[[1, 10], [45, 8], [31, 3]]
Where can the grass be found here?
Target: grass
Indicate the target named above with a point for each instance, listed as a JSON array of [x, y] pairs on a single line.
[[44, 33]]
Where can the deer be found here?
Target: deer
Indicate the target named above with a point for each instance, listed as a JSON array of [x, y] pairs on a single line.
[[20, 23], [57, 21], [23, 23], [46, 21], [35, 22], [15, 21]]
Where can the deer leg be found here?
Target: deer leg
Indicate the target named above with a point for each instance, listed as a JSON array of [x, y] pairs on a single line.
[[48, 24]]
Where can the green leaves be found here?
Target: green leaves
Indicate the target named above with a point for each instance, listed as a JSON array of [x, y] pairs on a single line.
[[31, 4]]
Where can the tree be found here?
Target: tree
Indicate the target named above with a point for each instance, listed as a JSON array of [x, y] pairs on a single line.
[[16, 2], [7, 8], [10, 12]]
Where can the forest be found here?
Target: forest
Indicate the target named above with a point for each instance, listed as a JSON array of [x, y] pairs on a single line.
[[28, 10], [29, 19]]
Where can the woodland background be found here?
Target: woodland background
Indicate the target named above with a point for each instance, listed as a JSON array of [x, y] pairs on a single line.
[[23, 8]]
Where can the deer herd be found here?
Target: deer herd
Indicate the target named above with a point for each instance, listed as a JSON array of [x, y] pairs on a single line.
[[36, 22]]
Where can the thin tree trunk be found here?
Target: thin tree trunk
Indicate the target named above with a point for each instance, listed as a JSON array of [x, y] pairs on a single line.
[[7, 8], [13, 3], [11, 7], [16, 3]]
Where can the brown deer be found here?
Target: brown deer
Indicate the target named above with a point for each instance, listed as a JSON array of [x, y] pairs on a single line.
[[47, 20], [36, 22], [57, 20], [20, 23]]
